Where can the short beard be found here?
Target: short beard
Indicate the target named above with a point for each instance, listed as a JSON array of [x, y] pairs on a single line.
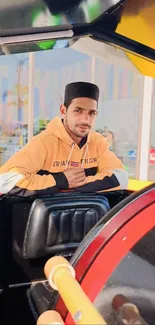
[[74, 132]]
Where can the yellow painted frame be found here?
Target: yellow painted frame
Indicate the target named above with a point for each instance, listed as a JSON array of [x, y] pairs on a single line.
[[136, 185]]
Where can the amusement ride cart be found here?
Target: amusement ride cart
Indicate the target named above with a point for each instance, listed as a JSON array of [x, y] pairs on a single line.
[[98, 249]]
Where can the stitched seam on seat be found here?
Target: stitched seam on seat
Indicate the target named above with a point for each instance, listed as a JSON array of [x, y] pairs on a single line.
[[29, 221], [58, 211], [27, 228]]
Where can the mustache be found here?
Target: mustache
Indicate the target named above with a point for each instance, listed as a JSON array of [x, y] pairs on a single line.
[[84, 124]]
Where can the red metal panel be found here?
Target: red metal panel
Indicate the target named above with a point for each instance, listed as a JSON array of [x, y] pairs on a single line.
[[105, 235], [114, 251], [110, 228]]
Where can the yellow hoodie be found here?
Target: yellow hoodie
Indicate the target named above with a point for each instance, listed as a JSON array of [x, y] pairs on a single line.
[[38, 167]]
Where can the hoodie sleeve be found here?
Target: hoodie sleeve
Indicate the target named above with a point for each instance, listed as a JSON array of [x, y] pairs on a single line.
[[111, 174], [20, 175]]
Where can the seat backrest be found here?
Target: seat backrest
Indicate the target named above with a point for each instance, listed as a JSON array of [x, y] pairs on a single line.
[[58, 224]]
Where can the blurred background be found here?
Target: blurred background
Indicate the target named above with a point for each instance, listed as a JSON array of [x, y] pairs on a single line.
[[121, 96]]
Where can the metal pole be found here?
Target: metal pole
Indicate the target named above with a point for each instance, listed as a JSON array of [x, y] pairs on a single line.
[[93, 67], [145, 128], [31, 96]]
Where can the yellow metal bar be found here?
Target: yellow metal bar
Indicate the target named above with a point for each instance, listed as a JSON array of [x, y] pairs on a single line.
[[61, 276], [139, 27], [136, 185]]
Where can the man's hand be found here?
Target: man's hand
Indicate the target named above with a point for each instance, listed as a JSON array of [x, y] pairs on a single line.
[[75, 176]]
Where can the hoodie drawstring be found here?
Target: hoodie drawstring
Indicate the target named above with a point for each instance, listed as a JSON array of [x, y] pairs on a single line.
[[70, 154], [69, 157], [85, 154]]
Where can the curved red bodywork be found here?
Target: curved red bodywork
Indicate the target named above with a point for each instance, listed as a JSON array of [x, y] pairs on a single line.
[[111, 244]]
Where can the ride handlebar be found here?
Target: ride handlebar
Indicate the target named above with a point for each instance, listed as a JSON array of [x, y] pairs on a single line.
[[61, 277]]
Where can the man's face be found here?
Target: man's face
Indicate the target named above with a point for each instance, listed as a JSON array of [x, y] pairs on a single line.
[[79, 117]]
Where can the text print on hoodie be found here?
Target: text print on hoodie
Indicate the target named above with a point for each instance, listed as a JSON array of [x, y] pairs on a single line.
[[38, 167]]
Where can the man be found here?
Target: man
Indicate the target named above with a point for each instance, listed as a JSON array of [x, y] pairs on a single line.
[[67, 155]]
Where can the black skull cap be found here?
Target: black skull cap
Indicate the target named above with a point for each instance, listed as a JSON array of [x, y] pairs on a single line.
[[81, 89]]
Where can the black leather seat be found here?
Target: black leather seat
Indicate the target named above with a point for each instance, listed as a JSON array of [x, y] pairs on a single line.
[[57, 225]]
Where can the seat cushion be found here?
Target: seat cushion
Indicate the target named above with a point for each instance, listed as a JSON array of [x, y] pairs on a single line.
[[58, 225]]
